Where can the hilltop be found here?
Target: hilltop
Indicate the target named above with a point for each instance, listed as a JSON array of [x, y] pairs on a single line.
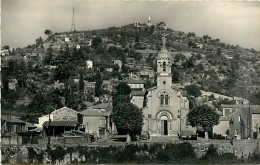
[[58, 71]]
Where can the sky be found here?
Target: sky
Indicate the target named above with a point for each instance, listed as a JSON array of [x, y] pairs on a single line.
[[237, 23]]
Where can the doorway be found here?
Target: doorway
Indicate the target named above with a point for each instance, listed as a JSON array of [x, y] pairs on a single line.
[[164, 125]]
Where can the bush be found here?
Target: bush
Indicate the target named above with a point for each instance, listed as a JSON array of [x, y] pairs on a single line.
[[57, 154], [33, 155], [211, 153], [256, 158]]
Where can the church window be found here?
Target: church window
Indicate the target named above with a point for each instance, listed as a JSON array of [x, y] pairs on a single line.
[[161, 99], [164, 66], [166, 99], [164, 82]]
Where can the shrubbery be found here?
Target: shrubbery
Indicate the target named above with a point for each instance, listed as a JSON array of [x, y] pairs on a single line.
[[212, 156], [133, 153]]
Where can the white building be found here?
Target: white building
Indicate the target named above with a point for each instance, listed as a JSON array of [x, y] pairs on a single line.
[[67, 39], [44, 118], [89, 64]]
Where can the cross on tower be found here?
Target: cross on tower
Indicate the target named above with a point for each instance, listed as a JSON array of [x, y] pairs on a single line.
[[164, 40]]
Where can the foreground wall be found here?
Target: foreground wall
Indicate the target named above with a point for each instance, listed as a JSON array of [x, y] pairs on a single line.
[[25, 154]]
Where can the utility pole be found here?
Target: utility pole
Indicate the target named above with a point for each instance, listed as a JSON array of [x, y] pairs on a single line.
[[180, 123], [10, 130]]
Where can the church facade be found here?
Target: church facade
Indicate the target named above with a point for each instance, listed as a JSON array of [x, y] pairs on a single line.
[[166, 110]]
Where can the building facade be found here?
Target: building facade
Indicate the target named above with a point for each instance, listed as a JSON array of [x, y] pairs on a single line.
[[166, 110], [97, 120], [243, 121]]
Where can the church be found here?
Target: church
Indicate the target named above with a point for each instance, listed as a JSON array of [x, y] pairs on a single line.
[[166, 110]]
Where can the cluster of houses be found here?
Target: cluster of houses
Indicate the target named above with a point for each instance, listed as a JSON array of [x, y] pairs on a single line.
[[94, 120]]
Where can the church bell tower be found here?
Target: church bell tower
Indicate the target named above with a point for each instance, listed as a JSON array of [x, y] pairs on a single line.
[[164, 63]]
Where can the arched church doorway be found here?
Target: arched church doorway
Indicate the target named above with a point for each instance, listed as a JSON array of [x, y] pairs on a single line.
[[164, 125]]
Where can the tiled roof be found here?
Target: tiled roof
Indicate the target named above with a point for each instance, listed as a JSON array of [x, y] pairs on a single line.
[[135, 82], [60, 123], [100, 106], [11, 119], [65, 108], [91, 112], [138, 93]]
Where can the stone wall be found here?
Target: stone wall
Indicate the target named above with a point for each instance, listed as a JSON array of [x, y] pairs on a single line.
[[20, 154], [239, 147]]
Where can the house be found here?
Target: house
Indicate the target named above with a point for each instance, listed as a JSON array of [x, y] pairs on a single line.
[[223, 126], [89, 64], [67, 39], [255, 110], [118, 62], [216, 95], [63, 119], [97, 120], [243, 120], [89, 86], [137, 98], [42, 119], [12, 84], [109, 69], [5, 52], [161, 26], [11, 124], [147, 73], [136, 84]]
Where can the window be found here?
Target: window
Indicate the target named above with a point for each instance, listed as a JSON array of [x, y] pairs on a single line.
[[166, 99], [164, 66], [161, 99], [239, 118]]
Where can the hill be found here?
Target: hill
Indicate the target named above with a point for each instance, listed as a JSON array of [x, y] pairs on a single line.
[[53, 72]]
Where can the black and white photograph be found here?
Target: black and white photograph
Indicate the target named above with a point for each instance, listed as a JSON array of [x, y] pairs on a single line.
[[130, 82]]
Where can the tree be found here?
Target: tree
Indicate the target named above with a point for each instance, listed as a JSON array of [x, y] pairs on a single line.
[[137, 38], [81, 87], [21, 71], [128, 118], [6, 47], [96, 42], [193, 90], [98, 85], [203, 117], [49, 57], [123, 89], [48, 32], [39, 41], [152, 28]]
